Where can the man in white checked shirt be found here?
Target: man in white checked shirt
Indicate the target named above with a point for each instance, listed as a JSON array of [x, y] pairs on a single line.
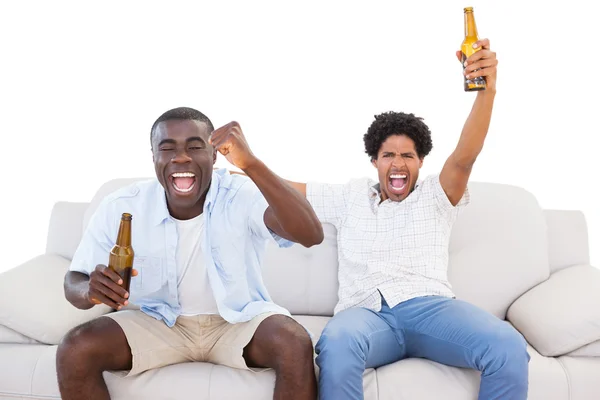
[[395, 300]]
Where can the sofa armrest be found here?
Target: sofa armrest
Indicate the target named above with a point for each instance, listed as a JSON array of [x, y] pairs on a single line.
[[65, 229], [561, 314], [32, 300]]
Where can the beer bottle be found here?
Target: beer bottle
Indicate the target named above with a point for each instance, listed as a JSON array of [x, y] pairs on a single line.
[[121, 255], [467, 50]]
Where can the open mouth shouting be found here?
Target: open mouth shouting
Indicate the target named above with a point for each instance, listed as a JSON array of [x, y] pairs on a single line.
[[398, 184], [183, 182]]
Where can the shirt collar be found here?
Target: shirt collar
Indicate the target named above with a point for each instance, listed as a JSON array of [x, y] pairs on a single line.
[[215, 184], [375, 194], [161, 212]]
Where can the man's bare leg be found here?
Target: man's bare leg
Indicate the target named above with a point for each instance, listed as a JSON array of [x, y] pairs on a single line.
[[84, 353], [284, 345]]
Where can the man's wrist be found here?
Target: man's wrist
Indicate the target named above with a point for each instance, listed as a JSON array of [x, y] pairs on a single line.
[[253, 166], [488, 92]]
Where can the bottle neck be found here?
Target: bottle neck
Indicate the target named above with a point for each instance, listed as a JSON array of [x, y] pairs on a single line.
[[124, 237], [470, 27]]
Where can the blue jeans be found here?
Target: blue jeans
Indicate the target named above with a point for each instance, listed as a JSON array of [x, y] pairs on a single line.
[[448, 331]]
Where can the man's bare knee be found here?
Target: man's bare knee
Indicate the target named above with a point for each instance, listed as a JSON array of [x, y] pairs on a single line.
[[285, 342], [96, 345]]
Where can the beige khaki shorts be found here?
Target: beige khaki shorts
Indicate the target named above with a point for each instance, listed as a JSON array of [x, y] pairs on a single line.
[[205, 338]]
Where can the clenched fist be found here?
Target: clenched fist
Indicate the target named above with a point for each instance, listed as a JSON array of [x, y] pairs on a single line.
[[481, 63], [229, 140]]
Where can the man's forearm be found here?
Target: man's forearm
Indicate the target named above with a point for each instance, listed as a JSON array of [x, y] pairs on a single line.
[[290, 207], [299, 186], [475, 129], [76, 289]]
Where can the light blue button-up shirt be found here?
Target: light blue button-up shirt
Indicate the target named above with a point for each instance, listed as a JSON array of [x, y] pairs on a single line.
[[235, 234]]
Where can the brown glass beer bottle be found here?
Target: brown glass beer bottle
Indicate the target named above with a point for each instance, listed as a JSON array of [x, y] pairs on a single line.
[[121, 255], [467, 49]]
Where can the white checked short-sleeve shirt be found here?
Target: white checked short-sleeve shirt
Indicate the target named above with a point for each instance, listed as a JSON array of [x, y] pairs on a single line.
[[398, 249]]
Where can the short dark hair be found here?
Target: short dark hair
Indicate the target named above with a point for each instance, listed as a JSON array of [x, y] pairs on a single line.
[[397, 123], [182, 113]]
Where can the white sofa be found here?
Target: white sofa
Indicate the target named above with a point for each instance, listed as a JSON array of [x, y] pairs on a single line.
[[521, 263]]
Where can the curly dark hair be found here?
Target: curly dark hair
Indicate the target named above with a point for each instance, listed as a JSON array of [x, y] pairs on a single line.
[[397, 123]]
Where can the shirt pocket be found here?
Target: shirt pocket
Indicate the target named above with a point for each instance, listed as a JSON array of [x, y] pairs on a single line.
[[150, 274], [351, 221], [229, 262]]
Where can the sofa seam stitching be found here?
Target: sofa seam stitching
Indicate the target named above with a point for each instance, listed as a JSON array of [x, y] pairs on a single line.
[[567, 376], [210, 381], [376, 381], [33, 375], [20, 395]]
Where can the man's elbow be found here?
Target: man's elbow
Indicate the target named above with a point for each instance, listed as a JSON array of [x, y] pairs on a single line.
[[318, 237], [73, 293], [315, 238]]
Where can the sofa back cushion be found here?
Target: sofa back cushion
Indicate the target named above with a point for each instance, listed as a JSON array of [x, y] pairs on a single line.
[[103, 191], [498, 247], [498, 250], [567, 239]]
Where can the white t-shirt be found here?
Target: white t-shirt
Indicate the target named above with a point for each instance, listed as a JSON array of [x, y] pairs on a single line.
[[195, 294]]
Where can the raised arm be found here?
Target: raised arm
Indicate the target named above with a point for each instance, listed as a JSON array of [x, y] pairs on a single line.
[[329, 201], [299, 186], [457, 169], [289, 214]]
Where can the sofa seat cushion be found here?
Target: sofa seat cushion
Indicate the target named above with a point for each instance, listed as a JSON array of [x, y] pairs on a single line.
[[8, 335], [314, 324], [563, 313], [28, 371], [584, 377], [32, 300], [408, 379], [404, 380], [35, 375], [590, 350]]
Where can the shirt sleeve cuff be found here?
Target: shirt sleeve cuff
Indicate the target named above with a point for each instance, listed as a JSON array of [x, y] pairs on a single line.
[[443, 200]]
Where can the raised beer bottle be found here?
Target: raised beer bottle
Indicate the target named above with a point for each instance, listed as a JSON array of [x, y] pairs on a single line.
[[121, 255], [467, 49]]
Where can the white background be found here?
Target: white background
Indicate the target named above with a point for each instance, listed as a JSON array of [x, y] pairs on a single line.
[[82, 82]]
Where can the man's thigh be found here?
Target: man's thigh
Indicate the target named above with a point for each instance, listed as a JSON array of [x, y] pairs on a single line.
[[451, 331], [153, 344], [360, 331], [227, 342]]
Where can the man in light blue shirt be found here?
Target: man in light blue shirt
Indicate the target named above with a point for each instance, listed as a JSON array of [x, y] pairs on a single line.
[[199, 237]]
